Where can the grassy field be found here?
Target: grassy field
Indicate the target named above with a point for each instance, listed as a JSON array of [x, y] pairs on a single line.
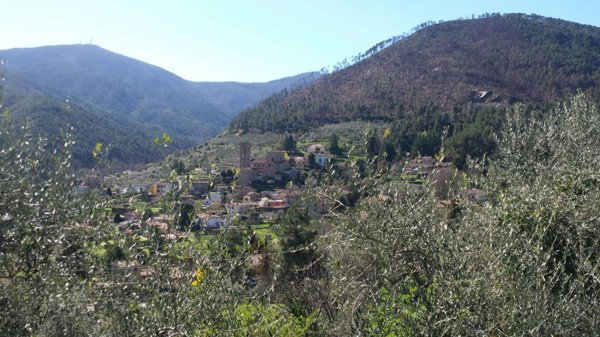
[[263, 230]]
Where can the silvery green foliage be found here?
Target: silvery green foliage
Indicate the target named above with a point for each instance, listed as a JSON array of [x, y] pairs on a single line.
[[39, 255], [524, 262], [66, 270], [543, 225]]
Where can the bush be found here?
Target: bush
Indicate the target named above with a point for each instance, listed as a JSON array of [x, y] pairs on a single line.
[[525, 262]]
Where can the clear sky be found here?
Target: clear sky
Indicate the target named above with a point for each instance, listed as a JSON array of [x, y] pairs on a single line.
[[249, 41]]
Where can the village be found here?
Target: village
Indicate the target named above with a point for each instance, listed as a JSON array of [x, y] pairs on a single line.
[[257, 191]]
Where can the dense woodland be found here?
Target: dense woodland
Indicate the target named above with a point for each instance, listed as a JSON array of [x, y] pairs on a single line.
[[117, 88], [457, 76], [120, 101], [47, 117], [450, 65]]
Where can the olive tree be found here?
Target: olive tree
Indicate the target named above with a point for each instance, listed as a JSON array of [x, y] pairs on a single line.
[[67, 270], [523, 262]]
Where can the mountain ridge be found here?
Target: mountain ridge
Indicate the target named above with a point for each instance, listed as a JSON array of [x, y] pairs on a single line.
[[246, 93], [452, 65], [138, 97], [131, 90]]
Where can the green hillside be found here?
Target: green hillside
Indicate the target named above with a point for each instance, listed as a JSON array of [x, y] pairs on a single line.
[[127, 102], [48, 117], [121, 88], [457, 67]]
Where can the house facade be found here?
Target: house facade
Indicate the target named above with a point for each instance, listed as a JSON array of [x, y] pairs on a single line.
[[214, 222], [271, 164], [199, 187], [321, 158]]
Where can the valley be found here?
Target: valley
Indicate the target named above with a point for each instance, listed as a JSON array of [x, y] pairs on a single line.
[[136, 100], [443, 184]]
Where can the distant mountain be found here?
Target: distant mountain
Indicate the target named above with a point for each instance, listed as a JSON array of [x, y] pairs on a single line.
[[125, 90], [455, 67], [126, 96], [233, 97], [50, 118]]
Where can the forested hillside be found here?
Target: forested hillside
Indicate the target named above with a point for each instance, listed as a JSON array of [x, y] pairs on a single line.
[[455, 67], [120, 88], [50, 118], [234, 97], [127, 102]]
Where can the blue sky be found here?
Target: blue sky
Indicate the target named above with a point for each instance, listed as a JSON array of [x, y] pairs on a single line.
[[249, 41]]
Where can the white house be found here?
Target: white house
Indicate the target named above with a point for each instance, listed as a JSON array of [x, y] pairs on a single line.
[[163, 188], [241, 208], [214, 222], [321, 158], [212, 198], [139, 188]]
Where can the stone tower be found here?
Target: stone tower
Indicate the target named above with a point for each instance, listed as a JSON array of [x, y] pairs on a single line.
[[245, 150]]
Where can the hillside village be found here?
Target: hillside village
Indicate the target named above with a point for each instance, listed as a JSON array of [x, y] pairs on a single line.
[[252, 194], [256, 191], [261, 190]]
